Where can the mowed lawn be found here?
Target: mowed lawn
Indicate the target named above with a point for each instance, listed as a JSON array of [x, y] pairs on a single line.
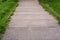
[[7, 8], [53, 7]]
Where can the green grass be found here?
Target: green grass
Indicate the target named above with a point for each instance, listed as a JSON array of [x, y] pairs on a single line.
[[7, 8], [53, 7]]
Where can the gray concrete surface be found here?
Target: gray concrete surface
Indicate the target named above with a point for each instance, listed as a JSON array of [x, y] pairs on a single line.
[[31, 22]]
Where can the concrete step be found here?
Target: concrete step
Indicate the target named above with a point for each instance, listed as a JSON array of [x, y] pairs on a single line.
[[31, 16], [33, 33], [28, 10], [33, 23], [31, 13]]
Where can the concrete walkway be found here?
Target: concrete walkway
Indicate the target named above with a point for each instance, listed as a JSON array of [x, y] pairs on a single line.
[[31, 22]]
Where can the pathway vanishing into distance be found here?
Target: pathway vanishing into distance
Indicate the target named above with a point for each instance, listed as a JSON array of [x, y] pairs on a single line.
[[31, 22]]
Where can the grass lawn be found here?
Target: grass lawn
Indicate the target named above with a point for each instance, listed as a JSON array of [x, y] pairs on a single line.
[[6, 10], [53, 7]]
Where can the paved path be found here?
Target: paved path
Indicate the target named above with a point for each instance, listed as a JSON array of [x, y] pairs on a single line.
[[31, 22]]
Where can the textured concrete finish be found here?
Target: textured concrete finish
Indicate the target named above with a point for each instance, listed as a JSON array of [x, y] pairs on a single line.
[[31, 22]]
